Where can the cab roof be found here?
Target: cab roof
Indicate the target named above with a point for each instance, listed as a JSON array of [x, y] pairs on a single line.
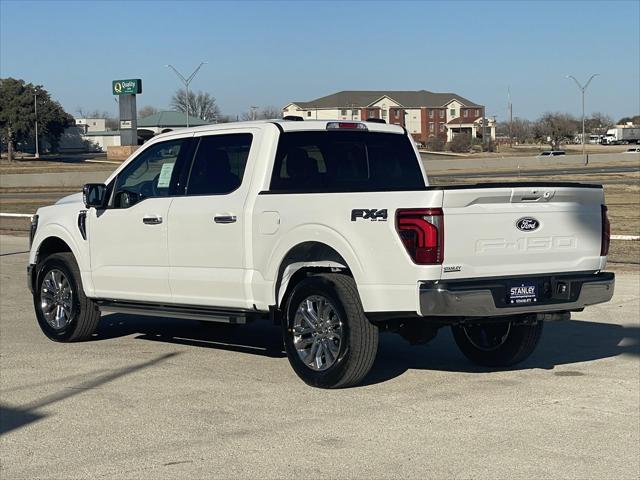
[[287, 126]]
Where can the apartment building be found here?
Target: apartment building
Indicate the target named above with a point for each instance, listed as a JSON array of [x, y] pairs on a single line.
[[422, 113]]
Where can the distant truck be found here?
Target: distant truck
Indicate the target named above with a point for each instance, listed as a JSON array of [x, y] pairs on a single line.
[[622, 135]]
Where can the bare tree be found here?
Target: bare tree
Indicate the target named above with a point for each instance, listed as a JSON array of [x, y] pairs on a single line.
[[147, 111], [111, 123], [270, 112], [201, 105], [598, 123], [555, 128], [266, 113]]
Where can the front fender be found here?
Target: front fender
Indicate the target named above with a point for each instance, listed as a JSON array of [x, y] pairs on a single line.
[[80, 251]]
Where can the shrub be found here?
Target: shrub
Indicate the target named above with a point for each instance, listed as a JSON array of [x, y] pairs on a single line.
[[461, 143], [436, 143]]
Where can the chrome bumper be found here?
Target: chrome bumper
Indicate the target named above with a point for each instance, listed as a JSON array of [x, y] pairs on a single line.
[[487, 297]]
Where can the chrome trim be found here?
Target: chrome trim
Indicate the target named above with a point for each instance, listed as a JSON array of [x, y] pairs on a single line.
[[152, 220], [440, 301], [225, 219]]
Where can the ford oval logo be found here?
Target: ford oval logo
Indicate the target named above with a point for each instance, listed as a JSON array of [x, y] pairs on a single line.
[[527, 224]]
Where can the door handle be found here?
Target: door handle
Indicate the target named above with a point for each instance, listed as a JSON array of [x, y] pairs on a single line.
[[152, 220], [225, 219]]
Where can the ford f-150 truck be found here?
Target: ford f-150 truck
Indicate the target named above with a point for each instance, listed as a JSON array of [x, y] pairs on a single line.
[[329, 228]]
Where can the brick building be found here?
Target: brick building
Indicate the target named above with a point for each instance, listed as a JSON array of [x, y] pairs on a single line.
[[421, 112]]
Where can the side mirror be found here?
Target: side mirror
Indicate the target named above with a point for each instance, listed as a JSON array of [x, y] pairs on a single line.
[[94, 195]]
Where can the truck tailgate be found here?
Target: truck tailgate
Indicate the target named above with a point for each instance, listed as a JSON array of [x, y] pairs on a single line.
[[520, 229]]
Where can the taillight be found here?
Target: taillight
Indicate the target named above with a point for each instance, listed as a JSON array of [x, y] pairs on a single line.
[[422, 233], [606, 233]]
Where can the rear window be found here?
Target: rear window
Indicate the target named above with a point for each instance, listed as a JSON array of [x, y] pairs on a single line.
[[345, 162]]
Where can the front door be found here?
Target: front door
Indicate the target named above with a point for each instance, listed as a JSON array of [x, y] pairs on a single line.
[[207, 225], [128, 239]]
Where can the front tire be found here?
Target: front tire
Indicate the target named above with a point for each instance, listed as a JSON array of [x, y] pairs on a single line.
[[497, 344], [329, 341], [63, 311]]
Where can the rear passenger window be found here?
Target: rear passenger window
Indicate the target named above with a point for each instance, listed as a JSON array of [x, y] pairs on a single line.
[[219, 164], [345, 162]]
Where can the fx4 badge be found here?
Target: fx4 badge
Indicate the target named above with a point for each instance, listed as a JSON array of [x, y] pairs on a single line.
[[372, 214]]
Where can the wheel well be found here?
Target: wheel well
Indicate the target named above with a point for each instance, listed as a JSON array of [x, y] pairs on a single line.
[[50, 246], [301, 261]]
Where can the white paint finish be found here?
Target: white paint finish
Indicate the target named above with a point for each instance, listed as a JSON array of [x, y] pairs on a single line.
[[129, 259], [269, 223], [207, 259], [191, 259], [373, 250], [481, 235]]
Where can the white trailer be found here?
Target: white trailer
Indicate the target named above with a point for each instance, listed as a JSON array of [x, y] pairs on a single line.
[[622, 135]]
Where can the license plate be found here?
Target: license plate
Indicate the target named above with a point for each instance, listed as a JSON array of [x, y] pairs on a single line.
[[522, 293]]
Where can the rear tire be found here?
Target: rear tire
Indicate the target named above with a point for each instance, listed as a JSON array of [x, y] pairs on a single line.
[[329, 341], [63, 311], [497, 344]]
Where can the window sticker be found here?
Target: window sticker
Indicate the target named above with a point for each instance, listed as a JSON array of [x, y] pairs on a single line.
[[165, 175]]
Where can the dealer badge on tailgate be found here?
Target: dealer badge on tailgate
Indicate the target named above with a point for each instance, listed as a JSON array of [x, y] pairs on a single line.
[[523, 293]]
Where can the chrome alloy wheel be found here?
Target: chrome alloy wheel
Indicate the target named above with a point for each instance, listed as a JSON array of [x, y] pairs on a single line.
[[488, 337], [56, 299], [317, 332]]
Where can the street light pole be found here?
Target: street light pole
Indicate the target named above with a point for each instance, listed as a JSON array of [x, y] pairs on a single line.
[[582, 90], [186, 82], [35, 108]]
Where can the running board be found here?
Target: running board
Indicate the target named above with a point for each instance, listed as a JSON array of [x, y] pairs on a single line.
[[177, 311]]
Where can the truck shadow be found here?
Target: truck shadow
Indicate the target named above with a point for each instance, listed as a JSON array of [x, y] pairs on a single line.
[[257, 338], [562, 343]]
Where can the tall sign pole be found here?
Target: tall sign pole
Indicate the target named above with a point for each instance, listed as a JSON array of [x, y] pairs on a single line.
[[187, 82], [35, 108], [582, 89], [126, 90]]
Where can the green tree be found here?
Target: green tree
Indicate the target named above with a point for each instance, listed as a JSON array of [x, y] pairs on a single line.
[[17, 114], [624, 120]]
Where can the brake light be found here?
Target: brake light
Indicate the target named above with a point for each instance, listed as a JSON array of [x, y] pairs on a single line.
[[422, 233], [346, 126], [606, 233]]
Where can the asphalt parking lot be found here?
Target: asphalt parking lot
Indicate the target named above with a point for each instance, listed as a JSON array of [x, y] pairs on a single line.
[[161, 398]]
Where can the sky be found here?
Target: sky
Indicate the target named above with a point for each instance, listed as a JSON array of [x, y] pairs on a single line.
[[272, 53]]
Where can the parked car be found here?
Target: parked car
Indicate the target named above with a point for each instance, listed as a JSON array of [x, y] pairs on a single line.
[[552, 153], [633, 150], [328, 228]]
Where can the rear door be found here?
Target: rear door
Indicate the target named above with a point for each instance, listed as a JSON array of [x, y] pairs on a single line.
[[207, 254], [519, 230]]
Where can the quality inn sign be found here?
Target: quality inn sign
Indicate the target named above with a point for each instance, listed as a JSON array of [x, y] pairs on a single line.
[[127, 87]]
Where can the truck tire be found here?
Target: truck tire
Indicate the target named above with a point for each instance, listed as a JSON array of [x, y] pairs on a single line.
[[63, 311], [329, 341], [497, 344]]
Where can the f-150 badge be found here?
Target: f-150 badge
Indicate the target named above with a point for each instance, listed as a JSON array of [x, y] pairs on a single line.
[[372, 214]]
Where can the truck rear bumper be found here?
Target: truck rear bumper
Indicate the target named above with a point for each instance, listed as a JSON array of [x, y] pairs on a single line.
[[487, 297]]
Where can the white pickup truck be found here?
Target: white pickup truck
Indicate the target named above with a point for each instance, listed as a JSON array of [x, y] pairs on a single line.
[[330, 229]]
